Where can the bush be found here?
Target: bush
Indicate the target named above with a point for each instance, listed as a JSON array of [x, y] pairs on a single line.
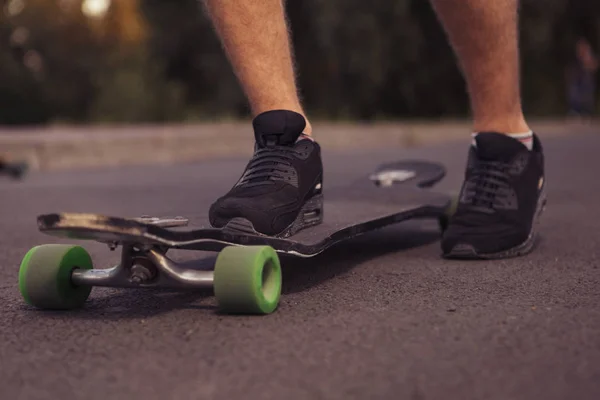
[[157, 60]]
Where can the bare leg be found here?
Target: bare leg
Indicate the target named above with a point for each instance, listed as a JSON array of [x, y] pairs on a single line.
[[256, 40], [484, 36]]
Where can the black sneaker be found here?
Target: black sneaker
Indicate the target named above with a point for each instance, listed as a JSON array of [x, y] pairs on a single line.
[[500, 201], [280, 191]]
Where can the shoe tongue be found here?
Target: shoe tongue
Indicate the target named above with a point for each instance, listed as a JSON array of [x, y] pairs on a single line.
[[497, 146], [278, 128]]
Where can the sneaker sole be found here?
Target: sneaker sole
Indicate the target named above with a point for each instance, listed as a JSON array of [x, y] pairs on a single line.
[[310, 214], [468, 252]]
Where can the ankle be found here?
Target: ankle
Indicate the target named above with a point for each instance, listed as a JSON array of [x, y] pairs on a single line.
[[501, 125], [308, 129]]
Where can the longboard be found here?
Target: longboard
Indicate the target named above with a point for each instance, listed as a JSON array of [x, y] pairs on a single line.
[[393, 193]]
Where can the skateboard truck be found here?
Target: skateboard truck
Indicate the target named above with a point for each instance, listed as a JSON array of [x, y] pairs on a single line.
[[144, 268], [245, 279], [386, 178]]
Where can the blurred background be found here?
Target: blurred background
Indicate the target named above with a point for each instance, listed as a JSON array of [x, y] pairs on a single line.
[[132, 61]]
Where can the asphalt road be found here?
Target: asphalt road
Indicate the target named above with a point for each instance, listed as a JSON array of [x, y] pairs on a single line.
[[379, 317]]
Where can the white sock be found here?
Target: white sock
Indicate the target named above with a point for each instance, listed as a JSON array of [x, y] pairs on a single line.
[[524, 137], [304, 136]]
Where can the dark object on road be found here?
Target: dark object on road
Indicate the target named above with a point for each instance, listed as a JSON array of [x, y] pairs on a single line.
[[15, 170], [247, 273]]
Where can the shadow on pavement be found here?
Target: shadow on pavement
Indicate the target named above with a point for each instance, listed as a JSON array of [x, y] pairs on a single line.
[[133, 304], [301, 274]]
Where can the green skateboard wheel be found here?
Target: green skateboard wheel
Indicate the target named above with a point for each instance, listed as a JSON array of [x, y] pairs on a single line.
[[247, 280], [45, 276], [444, 220]]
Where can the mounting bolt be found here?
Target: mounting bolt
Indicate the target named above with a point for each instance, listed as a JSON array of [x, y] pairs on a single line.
[[140, 274]]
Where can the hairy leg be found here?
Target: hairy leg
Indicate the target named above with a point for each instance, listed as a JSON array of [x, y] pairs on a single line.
[[255, 37], [484, 35]]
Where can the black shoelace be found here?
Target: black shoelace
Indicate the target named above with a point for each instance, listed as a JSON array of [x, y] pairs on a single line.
[[489, 185], [268, 165]]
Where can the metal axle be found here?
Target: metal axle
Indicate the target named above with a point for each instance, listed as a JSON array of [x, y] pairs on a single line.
[[146, 268]]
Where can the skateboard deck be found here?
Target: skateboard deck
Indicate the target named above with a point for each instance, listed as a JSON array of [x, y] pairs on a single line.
[[393, 193]]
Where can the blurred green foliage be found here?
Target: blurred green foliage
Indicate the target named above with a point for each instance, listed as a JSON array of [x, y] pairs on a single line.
[[157, 60]]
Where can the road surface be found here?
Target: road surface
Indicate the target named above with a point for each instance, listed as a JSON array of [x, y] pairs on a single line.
[[382, 316]]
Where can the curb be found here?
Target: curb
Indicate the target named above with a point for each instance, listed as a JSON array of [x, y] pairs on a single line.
[[74, 147]]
